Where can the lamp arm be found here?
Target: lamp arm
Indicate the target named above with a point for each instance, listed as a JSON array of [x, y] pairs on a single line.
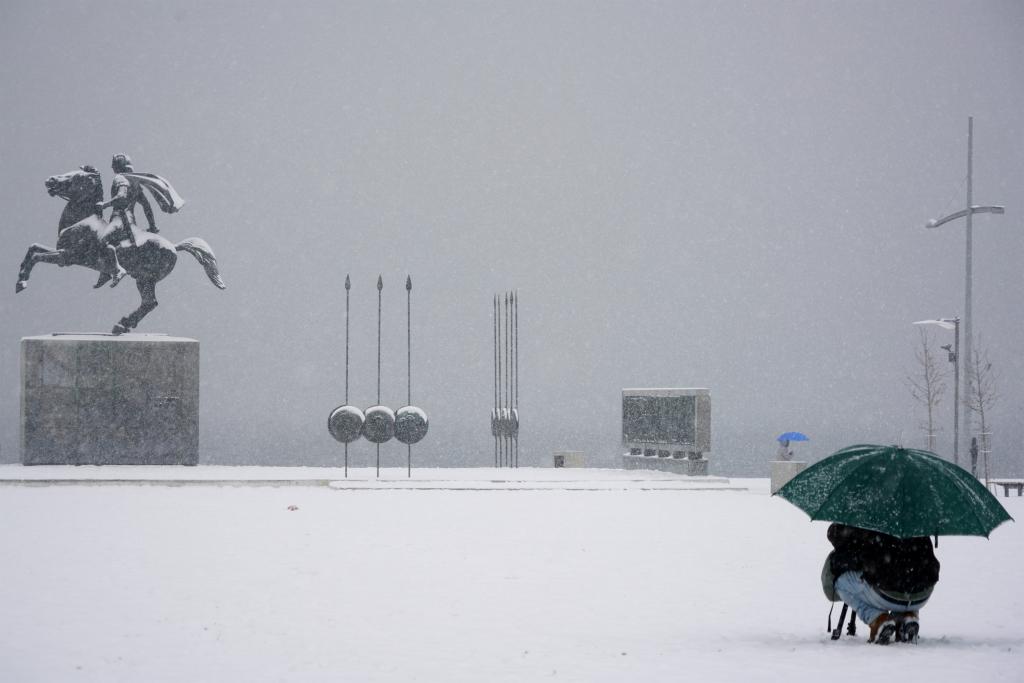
[[936, 222]]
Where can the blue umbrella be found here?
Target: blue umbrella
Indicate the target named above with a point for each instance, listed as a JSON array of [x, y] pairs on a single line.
[[792, 436]]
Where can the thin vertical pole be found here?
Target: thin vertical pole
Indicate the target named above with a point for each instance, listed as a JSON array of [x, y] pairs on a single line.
[[956, 392], [508, 354], [348, 286], [969, 275], [516, 384], [494, 349], [408, 334], [501, 444], [408, 340], [508, 379], [380, 286], [985, 450], [513, 436], [494, 306], [515, 319]]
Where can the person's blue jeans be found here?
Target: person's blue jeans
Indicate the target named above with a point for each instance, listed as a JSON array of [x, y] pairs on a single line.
[[865, 600]]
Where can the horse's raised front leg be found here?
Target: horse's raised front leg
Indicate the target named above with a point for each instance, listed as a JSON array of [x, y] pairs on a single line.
[[37, 253], [147, 288]]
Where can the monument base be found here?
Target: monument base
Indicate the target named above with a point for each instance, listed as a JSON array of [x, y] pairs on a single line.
[[694, 467], [784, 470], [93, 399], [568, 459]]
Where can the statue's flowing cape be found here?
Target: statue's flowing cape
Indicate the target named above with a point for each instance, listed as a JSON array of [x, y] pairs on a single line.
[[169, 200]]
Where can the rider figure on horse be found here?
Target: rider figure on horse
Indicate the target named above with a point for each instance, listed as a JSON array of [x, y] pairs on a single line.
[[125, 193]]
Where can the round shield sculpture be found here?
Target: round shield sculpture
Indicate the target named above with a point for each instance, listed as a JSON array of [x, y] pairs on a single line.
[[411, 424], [346, 423], [379, 425]]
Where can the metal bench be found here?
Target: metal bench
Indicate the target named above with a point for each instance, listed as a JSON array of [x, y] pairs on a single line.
[[1009, 484]]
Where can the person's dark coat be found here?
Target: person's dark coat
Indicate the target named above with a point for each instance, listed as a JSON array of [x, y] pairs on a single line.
[[889, 564]]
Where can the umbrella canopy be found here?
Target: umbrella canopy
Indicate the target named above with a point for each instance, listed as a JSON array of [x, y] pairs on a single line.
[[792, 436], [898, 491]]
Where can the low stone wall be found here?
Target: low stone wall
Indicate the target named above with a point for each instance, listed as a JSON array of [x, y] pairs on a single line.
[[692, 467], [784, 470]]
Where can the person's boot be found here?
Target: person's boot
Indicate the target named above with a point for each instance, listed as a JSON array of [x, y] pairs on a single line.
[[907, 627], [883, 628]]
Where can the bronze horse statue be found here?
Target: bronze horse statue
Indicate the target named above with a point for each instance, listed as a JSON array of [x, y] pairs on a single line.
[[147, 257]]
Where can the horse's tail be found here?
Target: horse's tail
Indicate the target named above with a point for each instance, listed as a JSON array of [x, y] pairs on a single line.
[[204, 254]]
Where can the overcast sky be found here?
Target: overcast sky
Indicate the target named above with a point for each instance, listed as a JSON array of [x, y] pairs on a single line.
[[725, 195]]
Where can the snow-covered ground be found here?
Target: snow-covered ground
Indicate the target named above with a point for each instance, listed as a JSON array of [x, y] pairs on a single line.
[[629, 576]]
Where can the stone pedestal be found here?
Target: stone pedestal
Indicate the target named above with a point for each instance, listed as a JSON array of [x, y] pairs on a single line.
[[693, 467], [784, 470], [568, 459], [109, 400]]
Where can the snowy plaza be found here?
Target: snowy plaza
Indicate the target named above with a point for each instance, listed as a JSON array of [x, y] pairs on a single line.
[[456, 575], [503, 341]]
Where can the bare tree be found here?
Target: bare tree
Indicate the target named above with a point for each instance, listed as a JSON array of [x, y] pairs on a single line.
[[928, 383], [981, 394]]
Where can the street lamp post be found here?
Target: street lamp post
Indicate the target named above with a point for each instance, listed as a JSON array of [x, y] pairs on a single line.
[[968, 275], [954, 358]]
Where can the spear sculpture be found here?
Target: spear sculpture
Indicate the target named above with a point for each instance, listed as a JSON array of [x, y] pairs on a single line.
[[408, 340], [494, 413], [508, 383], [505, 414], [503, 390], [379, 423], [515, 385], [380, 286], [498, 410], [411, 423], [348, 286], [346, 422]]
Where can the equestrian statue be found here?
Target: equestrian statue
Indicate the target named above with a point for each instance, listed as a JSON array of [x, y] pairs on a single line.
[[116, 248]]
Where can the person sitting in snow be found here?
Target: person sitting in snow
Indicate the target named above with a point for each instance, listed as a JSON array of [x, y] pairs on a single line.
[[886, 580]]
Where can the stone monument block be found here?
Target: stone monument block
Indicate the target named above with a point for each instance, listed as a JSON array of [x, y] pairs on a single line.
[[667, 429], [569, 459], [91, 399]]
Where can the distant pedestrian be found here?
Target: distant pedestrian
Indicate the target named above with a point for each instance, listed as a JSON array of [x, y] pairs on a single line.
[[785, 452]]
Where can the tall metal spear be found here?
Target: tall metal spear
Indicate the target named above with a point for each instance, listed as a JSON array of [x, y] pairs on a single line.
[[501, 391], [348, 286], [494, 415], [408, 339], [508, 381], [515, 385], [380, 286]]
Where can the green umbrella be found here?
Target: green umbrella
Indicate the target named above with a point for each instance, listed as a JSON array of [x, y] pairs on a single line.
[[899, 491]]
